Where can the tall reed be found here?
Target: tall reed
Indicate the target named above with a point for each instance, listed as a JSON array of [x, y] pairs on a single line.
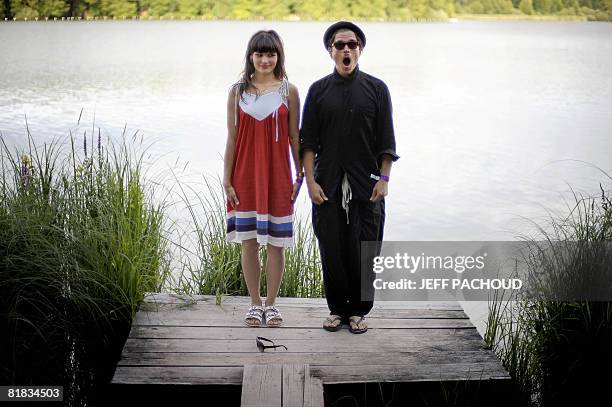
[[216, 268], [556, 343], [80, 243]]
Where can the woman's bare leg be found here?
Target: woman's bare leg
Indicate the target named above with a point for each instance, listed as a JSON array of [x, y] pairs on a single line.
[[274, 272], [251, 269]]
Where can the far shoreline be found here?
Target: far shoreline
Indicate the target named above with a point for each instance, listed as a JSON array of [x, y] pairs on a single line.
[[456, 18], [519, 17]]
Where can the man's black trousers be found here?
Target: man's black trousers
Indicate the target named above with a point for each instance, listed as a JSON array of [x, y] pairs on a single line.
[[348, 291]]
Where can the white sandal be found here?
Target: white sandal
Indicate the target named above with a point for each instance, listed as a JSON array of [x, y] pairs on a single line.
[[254, 315], [273, 316]]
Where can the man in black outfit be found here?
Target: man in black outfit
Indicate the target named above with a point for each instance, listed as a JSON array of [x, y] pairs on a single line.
[[348, 146]]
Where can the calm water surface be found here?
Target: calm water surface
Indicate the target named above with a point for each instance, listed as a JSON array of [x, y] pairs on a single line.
[[493, 119]]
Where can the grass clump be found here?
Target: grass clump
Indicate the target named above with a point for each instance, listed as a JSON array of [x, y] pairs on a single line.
[[556, 341], [215, 268], [80, 244]]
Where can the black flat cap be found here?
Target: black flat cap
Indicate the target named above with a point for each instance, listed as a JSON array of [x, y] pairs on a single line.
[[343, 24]]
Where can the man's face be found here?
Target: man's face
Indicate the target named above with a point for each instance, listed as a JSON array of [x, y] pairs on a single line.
[[345, 58]]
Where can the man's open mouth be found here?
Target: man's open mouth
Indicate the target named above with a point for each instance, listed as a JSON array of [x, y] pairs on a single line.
[[346, 61]]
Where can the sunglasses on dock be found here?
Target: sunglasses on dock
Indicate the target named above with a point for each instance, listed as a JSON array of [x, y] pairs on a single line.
[[339, 45], [262, 347]]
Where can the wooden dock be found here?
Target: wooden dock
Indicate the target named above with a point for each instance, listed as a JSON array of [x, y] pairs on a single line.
[[185, 341]]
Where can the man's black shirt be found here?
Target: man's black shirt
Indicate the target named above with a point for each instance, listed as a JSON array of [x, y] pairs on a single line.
[[348, 124]]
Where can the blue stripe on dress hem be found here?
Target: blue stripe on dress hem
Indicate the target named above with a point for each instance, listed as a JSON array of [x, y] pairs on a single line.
[[262, 224], [244, 221], [262, 231]]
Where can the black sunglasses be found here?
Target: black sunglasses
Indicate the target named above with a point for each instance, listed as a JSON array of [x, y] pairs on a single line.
[[339, 45], [262, 347]]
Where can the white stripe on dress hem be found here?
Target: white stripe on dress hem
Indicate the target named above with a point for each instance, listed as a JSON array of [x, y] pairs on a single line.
[[238, 237]]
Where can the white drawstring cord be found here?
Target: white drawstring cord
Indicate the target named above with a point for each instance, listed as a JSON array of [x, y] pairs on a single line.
[[347, 194], [275, 115]]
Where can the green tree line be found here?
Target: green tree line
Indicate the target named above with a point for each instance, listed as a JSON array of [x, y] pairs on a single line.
[[378, 10]]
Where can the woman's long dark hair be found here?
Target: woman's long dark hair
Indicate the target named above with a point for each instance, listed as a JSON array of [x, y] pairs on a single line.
[[262, 41]]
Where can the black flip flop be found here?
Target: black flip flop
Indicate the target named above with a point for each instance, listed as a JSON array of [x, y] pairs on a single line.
[[357, 330], [333, 328]]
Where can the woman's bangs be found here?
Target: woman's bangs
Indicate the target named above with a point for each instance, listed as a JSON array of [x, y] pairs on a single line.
[[264, 44]]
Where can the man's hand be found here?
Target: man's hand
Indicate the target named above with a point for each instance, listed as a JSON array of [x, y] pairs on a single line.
[[317, 196], [380, 191]]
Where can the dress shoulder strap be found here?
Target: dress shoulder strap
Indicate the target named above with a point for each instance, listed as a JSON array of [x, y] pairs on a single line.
[[236, 100], [284, 90]]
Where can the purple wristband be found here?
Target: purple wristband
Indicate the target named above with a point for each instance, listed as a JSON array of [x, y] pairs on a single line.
[[384, 178]]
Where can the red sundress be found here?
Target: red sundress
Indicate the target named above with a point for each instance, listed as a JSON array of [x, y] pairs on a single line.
[[261, 174]]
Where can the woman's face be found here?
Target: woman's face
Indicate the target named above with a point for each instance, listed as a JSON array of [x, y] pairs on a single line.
[[264, 62]]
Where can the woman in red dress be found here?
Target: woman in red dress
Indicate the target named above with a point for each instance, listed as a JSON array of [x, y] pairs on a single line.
[[262, 122]]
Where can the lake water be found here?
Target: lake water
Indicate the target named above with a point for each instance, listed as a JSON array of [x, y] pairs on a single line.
[[494, 120]]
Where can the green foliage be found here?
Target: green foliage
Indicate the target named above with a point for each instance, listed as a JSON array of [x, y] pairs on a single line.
[[399, 11], [313, 10], [53, 8], [89, 8], [118, 8], [244, 9], [476, 7], [556, 6], [542, 6], [217, 270], [489, 7], [272, 9], [158, 8], [175, 8], [377, 10], [552, 345], [31, 9], [218, 9], [259, 9], [526, 6], [418, 8], [368, 9], [189, 8], [80, 244]]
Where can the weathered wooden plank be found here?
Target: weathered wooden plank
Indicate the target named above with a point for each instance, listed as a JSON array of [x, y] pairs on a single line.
[[313, 323], [167, 298], [328, 374], [348, 343], [215, 313], [297, 322], [240, 309], [293, 379], [230, 333], [186, 375], [315, 335], [178, 340], [261, 386], [303, 390], [421, 372], [408, 359], [313, 391]]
